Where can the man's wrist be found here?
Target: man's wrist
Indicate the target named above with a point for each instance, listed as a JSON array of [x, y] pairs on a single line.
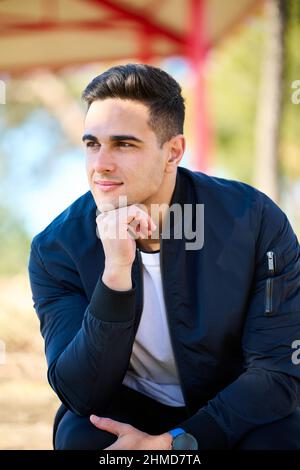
[[117, 277], [182, 440], [166, 440]]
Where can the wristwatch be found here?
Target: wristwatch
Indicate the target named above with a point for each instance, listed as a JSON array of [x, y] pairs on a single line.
[[182, 440]]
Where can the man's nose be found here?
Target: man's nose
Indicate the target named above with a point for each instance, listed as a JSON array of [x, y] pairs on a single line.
[[104, 160]]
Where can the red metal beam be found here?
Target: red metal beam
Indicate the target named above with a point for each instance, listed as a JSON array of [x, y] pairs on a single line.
[[56, 26], [145, 46], [196, 47], [139, 22], [129, 14]]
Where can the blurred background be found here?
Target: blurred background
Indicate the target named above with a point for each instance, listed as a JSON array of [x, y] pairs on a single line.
[[239, 67]]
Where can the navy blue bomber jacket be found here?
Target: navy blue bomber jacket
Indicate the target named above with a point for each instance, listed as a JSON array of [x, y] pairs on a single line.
[[233, 322]]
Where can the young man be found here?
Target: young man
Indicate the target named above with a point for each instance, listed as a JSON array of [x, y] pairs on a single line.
[[153, 342]]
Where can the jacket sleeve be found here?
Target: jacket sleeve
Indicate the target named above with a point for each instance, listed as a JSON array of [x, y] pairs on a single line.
[[87, 345], [269, 387]]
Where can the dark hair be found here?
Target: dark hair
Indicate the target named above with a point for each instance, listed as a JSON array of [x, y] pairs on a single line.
[[149, 85]]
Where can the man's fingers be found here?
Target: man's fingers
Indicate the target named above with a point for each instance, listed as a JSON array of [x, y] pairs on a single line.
[[151, 224], [138, 227], [140, 214], [110, 425], [132, 232], [131, 219]]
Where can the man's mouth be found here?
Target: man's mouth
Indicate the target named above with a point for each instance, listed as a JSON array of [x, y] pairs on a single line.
[[107, 185]]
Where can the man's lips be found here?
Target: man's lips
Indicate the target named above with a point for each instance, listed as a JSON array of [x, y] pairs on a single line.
[[107, 185]]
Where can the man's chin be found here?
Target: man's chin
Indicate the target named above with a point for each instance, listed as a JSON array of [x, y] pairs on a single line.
[[112, 204]]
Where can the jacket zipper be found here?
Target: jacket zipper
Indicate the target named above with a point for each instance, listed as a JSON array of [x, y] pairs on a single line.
[[142, 287], [168, 320], [269, 285]]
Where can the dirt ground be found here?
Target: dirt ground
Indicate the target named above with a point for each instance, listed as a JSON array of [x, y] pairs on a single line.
[[27, 403]]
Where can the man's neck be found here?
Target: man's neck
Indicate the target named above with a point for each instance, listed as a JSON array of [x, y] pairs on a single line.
[[162, 198], [148, 245]]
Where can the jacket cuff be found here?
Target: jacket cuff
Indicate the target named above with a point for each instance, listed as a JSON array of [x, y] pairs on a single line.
[[206, 430], [111, 305]]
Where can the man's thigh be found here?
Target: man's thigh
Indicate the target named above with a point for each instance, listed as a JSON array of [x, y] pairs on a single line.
[[77, 432], [283, 434]]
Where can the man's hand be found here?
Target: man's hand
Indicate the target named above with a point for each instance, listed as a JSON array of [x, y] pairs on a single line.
[[130, 438], [118, 230]]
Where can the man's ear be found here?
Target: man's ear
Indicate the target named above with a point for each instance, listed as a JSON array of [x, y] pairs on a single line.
[[176, 150]]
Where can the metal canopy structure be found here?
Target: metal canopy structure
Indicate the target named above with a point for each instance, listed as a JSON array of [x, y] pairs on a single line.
[[54, 34]]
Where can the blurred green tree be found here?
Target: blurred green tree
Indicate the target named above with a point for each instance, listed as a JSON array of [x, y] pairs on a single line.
[[234, 77], [14, 243]]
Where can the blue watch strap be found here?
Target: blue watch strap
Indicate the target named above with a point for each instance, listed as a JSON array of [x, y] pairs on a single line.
[[176, 432]]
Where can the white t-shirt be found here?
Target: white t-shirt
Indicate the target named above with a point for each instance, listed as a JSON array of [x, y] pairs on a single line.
[[152, 368]]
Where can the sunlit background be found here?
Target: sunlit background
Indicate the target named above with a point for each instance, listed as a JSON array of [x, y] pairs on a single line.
[[240, 74]]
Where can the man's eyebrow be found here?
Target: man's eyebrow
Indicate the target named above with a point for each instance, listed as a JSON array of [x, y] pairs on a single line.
[[112, 138], [116, 138], [90, 137]]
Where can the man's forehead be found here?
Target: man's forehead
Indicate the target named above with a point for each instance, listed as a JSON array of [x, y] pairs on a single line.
[[115, 117], [118, 108]]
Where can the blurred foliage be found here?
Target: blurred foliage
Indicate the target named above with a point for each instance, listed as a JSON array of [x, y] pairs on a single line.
[[234, 77], [290, 129], [233, 80], [14, 243]]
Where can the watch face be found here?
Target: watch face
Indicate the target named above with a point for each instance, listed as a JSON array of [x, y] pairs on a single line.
[[185, 441]]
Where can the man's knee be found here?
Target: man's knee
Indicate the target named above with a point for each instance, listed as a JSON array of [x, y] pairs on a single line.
[[283, 434], [78, 433]]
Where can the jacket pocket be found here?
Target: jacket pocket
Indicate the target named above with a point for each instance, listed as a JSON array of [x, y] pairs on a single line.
[[269, 297], [270, 291]]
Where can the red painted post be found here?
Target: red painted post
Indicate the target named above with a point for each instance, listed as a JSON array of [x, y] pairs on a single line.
[[196, 48]]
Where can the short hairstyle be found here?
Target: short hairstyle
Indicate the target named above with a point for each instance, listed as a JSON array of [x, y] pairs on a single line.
[[150, 85]]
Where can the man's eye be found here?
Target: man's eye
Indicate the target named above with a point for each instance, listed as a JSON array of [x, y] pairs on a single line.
[[125, 144], [92, 144]]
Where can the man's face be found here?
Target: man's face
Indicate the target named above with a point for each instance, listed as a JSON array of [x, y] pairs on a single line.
[[122, 148]]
